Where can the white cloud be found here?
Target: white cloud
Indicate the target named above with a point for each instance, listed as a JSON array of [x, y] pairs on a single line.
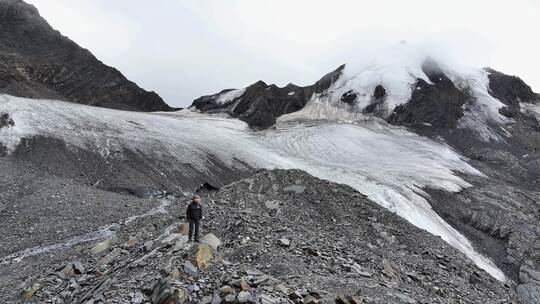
[[184, 49]]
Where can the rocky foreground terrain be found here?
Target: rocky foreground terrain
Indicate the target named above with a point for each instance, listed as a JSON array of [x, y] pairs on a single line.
[[279, 236], [36, 61]]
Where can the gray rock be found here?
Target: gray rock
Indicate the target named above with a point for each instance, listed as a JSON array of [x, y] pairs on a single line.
[[164, 293], [528, 275], [529, 293], [190, 269], [102, 246], [309, 299], [206, 300], [211, 240], [28, 292], [297, 189], [111, 257], [225, 290], [254, 272], [148, 246], [230, 298], [245, 297], [273, 205], [78, 267], [284, 242]]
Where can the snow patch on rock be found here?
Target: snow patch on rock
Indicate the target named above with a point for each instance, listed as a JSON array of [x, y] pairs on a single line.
[[229, 96]]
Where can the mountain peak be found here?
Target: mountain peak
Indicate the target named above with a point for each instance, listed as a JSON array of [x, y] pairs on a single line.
[[36, 61]]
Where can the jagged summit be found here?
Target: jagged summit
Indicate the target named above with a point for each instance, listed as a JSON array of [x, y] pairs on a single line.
[[36, 61], [403, 89], [260, 104]]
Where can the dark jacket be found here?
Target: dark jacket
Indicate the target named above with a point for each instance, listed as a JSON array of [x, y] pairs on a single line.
[[194, 211]]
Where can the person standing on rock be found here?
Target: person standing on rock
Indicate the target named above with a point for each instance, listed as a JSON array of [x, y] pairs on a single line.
[[194, 214]]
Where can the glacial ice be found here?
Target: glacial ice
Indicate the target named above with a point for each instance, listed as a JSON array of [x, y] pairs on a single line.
[[389, 164]]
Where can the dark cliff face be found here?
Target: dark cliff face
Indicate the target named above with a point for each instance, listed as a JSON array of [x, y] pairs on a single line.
[[439, 104], [510, 90], [260, 104], [36, 61]]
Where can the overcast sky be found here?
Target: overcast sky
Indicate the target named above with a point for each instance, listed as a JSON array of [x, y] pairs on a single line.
[[183, 49]]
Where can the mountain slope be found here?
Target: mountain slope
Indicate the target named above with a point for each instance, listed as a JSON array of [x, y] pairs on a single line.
[[36, 61]]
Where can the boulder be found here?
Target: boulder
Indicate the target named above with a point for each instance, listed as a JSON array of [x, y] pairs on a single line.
[[171, 239], [109, 258], [225, 290], [148, 246], [102, 246], [211, 240], [206, 300], [356, 300], [163, 293], [296, 189], [230, 298], [268, 299], [78, 267], [245, 297], [29, 291], [190, 269], [272, 205], [341, 299], [309, 299], [181, 243], [183, 229], [284, 242], [244, 285], [72, 268], [204, 256]]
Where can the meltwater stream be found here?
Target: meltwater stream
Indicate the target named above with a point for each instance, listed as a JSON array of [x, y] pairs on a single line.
[[99, 234], [389, 164]]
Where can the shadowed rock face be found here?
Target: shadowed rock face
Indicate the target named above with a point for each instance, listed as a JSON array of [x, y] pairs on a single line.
[[439, 104], [36, 61], [510, 90], [260, 104]]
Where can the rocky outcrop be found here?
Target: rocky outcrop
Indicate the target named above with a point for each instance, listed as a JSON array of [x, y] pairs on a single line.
[[510, 90], [260, 104], [5, 122], [439, 104], [36, 61]]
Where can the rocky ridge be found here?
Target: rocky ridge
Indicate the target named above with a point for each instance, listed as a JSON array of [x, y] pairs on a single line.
[[36, 61], [438, 103], [260, 104]]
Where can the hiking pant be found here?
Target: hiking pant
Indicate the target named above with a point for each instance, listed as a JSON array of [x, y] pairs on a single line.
[[194, 229]]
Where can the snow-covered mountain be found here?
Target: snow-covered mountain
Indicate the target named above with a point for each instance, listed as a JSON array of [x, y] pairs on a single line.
[[403, 86]]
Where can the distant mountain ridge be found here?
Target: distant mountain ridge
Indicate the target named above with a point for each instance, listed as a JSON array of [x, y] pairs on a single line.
[[36, 61], [434, 99]]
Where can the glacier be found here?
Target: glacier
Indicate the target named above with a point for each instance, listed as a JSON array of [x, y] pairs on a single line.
[[387, 163]]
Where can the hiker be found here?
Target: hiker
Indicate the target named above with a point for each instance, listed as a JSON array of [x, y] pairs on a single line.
[[194, 216]]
